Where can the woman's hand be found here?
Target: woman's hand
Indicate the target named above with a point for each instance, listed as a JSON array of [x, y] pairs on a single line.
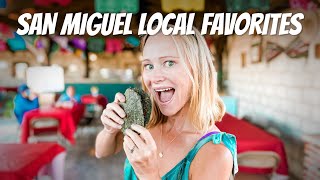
[[141, 151], [112, 116]]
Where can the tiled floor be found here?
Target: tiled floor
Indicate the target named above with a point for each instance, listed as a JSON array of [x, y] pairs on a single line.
[[8, 130], [82, 164]]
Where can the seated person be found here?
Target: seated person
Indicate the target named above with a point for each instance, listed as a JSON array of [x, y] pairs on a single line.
[[68, 99], [24, 101]]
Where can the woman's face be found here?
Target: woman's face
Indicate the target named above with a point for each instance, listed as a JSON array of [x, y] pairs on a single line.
[[164, 74]]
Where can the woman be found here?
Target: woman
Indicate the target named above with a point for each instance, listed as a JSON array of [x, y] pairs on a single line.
[[179, 75]]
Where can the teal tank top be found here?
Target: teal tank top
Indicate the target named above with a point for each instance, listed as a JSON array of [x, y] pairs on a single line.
[[181, 170]]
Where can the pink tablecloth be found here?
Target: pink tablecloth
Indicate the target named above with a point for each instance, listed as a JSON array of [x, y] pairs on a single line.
[[23, 161], [67, 121], [252, 138]]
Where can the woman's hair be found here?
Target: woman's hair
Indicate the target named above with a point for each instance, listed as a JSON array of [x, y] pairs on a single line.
[[206, 106]]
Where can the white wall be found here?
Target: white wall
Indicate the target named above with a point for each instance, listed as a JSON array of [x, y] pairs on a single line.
[[284, 93], [285, 89]]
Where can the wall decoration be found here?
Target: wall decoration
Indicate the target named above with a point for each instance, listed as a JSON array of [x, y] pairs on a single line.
[[132, 41], [5, 31], [79, 43], [297, 49], [96, 44], [272, 51], [303, 4], [317, 51], [256, 49], [62, 41], [185, 5], [241, 5], [114, 45], [243, 59], [3, 45], [50, 2], [116, 6], [42, 42], [17, 43]]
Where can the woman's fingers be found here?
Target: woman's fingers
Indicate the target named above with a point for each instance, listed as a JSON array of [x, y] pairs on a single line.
[[126, 149], [135, 138], [144, 133], [109, 122], [116, 108], [129, 142], [112, 115], [109, 118], [119, 98]]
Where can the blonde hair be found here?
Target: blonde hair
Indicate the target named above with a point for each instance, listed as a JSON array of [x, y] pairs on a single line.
[[206, 106]]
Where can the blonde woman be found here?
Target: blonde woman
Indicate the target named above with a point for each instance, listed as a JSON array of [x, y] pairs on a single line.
[[181, 140]]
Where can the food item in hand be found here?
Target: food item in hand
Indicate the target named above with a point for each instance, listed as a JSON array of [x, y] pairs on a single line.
[[137, 108]]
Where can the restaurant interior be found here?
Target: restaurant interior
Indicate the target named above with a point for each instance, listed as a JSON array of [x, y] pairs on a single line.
[[269, 85]]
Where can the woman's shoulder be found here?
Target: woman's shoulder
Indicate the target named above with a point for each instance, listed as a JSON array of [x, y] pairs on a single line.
[[221, 154], [212, 160]]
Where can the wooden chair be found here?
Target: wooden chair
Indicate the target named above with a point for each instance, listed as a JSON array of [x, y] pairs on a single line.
[[44, 130], [258, 159]]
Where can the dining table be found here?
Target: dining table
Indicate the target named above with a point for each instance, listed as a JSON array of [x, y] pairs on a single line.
[[91, 99], [7, 89], [68, 120], [252, 138], [24, 161]]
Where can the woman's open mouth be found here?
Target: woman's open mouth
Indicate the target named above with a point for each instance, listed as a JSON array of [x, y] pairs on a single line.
[[165, 94]]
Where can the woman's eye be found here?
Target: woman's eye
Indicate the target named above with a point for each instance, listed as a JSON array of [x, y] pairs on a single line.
[[169, 63], [148, 66]]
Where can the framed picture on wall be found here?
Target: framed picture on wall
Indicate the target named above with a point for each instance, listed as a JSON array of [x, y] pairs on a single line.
[[256, 49], [243, 59], [317, 51]]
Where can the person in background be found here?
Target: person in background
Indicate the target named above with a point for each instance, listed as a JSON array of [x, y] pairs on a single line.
[[24, 101], [68, 99]]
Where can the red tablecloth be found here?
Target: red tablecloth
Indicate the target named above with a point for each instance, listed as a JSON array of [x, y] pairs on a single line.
[[7, 89], [67, 121], [77, 112], [23, 161], [100, 99], [252, 138]]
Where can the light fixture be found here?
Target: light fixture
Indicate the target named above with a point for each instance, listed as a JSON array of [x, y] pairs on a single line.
[[105, 73], [73, 68], [93, 57]]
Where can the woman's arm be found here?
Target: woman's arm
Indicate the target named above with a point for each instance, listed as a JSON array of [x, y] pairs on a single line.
[[108, 143], [213, 161], [110, 140]]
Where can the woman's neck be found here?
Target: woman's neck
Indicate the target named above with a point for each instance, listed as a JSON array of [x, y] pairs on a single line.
[[179, 122]]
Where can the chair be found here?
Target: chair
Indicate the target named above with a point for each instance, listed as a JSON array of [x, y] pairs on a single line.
[[44, 130], [258, 159]]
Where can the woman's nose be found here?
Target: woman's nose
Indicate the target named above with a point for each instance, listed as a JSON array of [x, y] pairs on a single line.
[[157, 75]]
